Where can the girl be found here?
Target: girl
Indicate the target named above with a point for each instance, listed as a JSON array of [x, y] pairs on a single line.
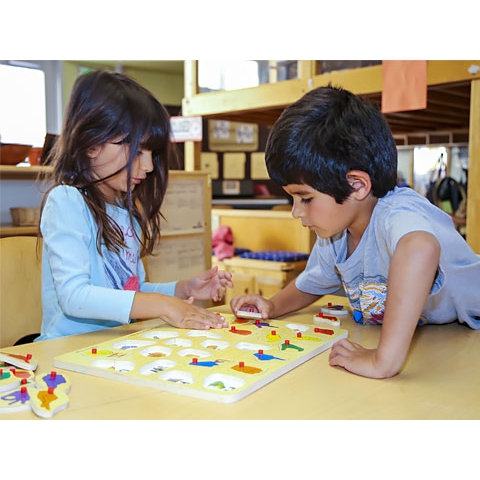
[[101, 215]]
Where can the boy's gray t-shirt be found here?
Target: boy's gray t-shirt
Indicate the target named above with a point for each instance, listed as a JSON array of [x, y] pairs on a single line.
[[364, 275]]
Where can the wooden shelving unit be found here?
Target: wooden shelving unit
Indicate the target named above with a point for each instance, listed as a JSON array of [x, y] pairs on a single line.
[[12, 172], [453, 108]]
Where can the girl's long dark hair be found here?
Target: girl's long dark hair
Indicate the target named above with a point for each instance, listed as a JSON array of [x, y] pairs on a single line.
[[106, 106]]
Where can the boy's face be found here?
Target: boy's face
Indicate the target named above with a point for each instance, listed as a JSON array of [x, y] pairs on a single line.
[[320, 212]]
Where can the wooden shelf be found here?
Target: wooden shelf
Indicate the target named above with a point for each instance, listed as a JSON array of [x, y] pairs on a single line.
[[12, 171], [9, 230]]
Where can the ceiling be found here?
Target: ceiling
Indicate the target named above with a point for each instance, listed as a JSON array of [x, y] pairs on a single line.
[[448, 110]]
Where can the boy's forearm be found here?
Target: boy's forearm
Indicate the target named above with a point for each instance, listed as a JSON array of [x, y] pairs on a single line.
[[291, 299], [411, 276]]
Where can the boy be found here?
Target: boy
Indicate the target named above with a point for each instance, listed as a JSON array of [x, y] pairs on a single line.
[[398, 258]]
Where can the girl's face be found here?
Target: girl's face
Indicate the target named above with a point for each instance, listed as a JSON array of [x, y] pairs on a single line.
[[320, 212], [112, 157]]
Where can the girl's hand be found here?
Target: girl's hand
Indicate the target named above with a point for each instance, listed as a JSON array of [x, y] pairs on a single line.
[[186, 315], [209, 285], [357, 359], [264, 306]]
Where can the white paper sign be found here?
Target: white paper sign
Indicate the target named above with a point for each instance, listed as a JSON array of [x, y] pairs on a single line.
[[186, 129]]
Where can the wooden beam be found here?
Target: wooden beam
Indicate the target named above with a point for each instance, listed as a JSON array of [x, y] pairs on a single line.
[[473, 194]]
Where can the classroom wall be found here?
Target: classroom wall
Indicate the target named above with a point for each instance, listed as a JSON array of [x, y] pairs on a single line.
[[168, 88]]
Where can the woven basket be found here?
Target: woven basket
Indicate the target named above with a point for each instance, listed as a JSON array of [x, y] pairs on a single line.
[[24, 216]]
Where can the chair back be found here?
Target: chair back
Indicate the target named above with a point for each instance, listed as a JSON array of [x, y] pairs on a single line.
[[20, 289]]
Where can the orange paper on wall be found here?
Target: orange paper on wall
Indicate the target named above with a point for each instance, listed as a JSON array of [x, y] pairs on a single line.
[[404, 85]]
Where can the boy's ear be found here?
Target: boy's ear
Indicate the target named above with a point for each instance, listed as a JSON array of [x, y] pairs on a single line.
[[360, 182]]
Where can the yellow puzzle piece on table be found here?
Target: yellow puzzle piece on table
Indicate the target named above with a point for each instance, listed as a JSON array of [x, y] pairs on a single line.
[[46, 403], [222, 365]]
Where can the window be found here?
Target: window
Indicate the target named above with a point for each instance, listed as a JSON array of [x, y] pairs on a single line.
[[22, 104]]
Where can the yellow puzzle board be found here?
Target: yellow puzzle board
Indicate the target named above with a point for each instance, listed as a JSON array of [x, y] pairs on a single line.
[[222, 365]]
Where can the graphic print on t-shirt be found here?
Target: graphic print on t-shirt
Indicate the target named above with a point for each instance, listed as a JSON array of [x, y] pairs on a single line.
[[121, 273], [368, 301]]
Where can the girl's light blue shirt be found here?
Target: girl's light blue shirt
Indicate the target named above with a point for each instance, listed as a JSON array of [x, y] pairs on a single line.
[[83, 291]]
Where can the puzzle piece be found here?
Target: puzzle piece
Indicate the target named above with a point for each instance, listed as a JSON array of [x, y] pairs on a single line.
[[16, 400], [329, 319], [47, 403], [45, 394], [251, 313], [53, 379], [21, 361], [8, 380], [332, 309]]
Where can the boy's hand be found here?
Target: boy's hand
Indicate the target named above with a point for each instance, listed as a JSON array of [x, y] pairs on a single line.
[[357, 359], [264, 306]]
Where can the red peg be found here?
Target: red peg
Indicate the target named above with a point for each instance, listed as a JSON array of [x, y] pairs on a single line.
[[241, 364], [50, 390], [299, 334], [274, 332], [53, 375], [195, 361], [287, 342], [94, 350], [23, 390], [260, 352]]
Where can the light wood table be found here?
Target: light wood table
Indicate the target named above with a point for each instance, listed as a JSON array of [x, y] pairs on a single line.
[[440, 380]]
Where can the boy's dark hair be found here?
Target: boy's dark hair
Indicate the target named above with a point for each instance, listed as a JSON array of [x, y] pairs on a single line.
[[327, 133], [105, 106]]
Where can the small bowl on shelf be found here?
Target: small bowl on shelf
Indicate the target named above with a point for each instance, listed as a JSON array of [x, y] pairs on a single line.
[[25, 216], [13, 153]]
